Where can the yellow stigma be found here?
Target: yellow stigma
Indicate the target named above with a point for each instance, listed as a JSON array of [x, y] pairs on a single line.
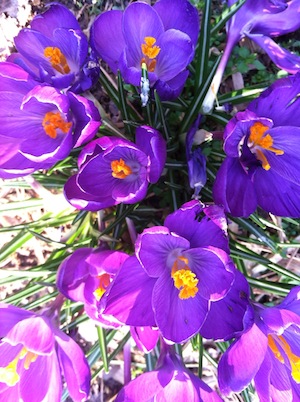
[[258, 140], [292, 358], [9, 374], [57, 59], [184, 279], [119, 169], [104, 281], [54, 121], [150, 52]]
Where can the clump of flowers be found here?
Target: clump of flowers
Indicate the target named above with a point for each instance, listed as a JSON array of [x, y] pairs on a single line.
[[162, 234]]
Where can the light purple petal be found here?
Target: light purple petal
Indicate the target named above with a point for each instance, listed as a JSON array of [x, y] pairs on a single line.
[[41, 343], [157, 249], [145, 337], [281, 57], [150, 141], [213, 268], [129, 297], [177, 319], [247, 352], [74, 365], [107, 28], [179, 15], [233, 189], [139, 21]]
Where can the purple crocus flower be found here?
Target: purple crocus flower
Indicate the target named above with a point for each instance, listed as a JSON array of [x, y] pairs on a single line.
[[268, 352], [162, 38], [34, 354], [85, 275], [114, 170], [262, 147], [259, 20], [177, 272], [39, 125], [55, 50], [170, 381]]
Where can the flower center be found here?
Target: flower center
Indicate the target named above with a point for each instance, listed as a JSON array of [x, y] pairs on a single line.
[[52, 122], [258, 142], [292, 358], [150, 51], [184, 279], [57, 59], [104, 281], [119, 169], [9, 374]]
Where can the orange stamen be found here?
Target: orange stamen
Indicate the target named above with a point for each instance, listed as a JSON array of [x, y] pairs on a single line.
[[9, 374], [292, 358], [258, 141], [54, 121], [150, 52], [104, 281], [184, 279], [57, 59], [119, 169]]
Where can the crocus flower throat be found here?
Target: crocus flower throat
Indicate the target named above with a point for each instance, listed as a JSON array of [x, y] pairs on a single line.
[[258, 142], [9, 373], [281, 349], [57, 59], [184, 279], [104, 281], [150, 51], [54, 121], [119, 169]]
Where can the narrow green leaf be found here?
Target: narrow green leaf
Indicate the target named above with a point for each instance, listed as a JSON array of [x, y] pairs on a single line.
[[202, 51]]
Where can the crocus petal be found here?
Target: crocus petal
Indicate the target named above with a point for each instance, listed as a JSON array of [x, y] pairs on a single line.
[[72, 272], [45, 372], [281, 57], [173, 88], [155, 246], [129, 297], [87, 119], [226, 316], [281, 200], [286, 139], [209, 231], [214, 271], [75, 367], [281, 95], [291, 301], [248, 352], [176, 52], [233, 189], [102, 33], [82, 200], [42, 343], [145, 337], [144, 388], [140, 20], [177, 319], [179, 15], [152, 144], [56, 16]]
